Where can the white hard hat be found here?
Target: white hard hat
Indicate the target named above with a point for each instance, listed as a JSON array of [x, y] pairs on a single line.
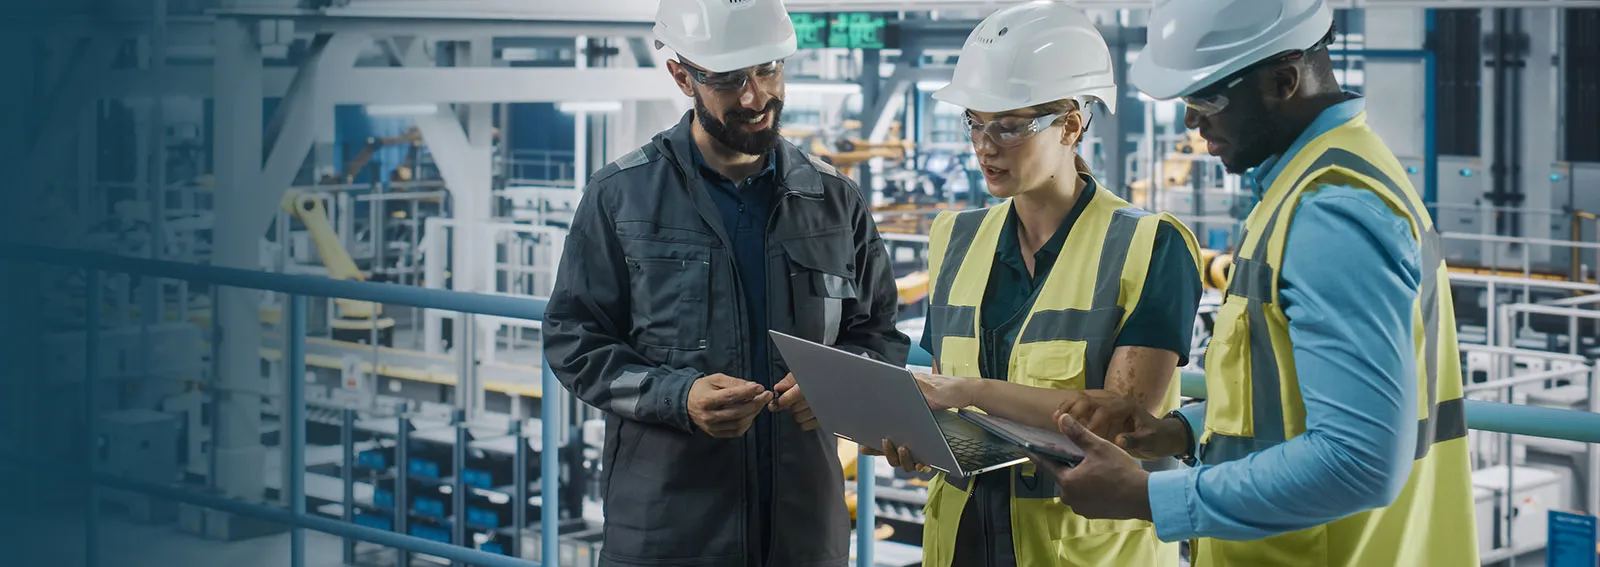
[[726, 35], [1031, 54], [1195, 43]]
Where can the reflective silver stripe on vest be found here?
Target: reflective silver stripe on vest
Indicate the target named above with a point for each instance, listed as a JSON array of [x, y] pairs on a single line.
[[1251, 278], [1445, 421], [1098, 325], [945, 320]]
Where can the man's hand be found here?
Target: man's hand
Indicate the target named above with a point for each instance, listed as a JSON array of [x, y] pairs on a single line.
[[1107, 485], [898, 457], [724, 406], [1113, 417], [945, 392], [790, 399]]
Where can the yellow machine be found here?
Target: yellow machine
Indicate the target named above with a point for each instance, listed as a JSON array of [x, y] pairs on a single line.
[[353, 320], [1175, 171], [846, 152]]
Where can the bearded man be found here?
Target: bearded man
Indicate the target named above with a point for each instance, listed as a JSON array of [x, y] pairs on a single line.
[[682, 256]]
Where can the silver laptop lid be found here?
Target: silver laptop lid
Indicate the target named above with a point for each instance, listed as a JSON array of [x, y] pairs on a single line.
[[866, 401]]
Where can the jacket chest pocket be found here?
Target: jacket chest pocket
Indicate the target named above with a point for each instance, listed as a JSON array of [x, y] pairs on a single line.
[[822, 278], [669, 286]]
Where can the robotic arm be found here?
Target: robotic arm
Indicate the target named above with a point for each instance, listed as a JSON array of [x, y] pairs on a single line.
[[308, 208]]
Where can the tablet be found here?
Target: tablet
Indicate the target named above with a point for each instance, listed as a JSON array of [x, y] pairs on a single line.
[[1045, 442]]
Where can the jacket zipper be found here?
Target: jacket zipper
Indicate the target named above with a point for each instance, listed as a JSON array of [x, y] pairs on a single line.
[[772, 433]]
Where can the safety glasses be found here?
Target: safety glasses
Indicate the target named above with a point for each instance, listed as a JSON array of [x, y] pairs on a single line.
[[767, 75], [1214, 98], [1008, 131]]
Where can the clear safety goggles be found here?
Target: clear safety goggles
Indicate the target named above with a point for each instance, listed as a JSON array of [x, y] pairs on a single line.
[[1214, 98], [1008, 131], [768, 75]]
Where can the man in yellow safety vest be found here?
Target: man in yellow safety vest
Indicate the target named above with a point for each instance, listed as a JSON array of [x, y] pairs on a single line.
[[1332, 433]]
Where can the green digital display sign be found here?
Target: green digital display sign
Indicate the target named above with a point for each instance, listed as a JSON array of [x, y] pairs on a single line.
[[849, 30]]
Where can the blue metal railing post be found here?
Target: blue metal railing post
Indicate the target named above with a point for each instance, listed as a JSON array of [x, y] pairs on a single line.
[[519, 488], [866, 508], [402, 480], [91, 415], [549, 467], [458, 485], [347, 476], [296, 426]]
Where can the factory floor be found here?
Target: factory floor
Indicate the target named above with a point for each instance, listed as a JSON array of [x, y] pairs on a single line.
[[125, 543]]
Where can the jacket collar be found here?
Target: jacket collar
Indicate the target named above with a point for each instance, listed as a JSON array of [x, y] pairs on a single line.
[[795, 170]]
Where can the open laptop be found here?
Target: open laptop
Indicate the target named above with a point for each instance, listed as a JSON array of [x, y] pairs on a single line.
[[867, 401]]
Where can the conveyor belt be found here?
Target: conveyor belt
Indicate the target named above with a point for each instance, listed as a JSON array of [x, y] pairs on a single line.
[[405, 364]]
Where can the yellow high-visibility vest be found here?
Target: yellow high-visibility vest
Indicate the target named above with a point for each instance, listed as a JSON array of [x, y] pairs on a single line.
[[1254, 396], [1066, 343]]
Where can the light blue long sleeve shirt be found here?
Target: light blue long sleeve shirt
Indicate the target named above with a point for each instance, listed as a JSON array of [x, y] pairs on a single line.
[[1347, 286]]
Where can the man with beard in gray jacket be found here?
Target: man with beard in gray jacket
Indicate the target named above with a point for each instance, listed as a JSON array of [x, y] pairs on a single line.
[[682, 256]]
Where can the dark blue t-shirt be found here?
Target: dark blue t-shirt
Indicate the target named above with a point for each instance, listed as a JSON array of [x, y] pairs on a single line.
[[746, 207]]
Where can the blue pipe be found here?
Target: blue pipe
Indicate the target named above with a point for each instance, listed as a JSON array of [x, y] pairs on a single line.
[[1430, 149], [530, 309], [314, 522], [296, 426], [549, 467], [866, 509]]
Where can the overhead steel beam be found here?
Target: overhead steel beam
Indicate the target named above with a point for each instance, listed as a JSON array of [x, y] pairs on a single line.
[[421, 85], [293, 127], [876, 118], [643, 51]]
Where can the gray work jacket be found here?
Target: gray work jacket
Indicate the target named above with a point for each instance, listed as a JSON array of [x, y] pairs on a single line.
[[647, 300]]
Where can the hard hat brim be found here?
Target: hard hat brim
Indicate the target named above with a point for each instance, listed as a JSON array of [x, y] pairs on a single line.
[[969, 99], [1161, 83], [734, 61]]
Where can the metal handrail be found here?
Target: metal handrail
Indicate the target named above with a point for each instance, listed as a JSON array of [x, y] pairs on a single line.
[[1499, 417], [298, 287], [1486, 416]]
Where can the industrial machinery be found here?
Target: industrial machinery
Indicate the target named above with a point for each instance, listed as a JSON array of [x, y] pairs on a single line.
[[356, 164], [1176, 169], [847, 152], [353, 321]]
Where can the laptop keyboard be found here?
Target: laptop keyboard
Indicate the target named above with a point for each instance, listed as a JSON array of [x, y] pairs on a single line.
[[973, 454]]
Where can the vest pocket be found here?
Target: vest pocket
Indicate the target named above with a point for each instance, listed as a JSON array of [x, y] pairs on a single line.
[[1049, 516], [1057, 365], [1227, 363]]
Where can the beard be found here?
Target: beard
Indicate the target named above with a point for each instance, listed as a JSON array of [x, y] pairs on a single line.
[[734, 137], [1262, 136]]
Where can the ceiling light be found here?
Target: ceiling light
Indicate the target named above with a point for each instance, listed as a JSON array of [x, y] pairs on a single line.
[[401, 109], [590, 106]]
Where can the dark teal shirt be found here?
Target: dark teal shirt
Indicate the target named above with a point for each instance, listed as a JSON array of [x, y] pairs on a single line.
[[1163, 319]]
